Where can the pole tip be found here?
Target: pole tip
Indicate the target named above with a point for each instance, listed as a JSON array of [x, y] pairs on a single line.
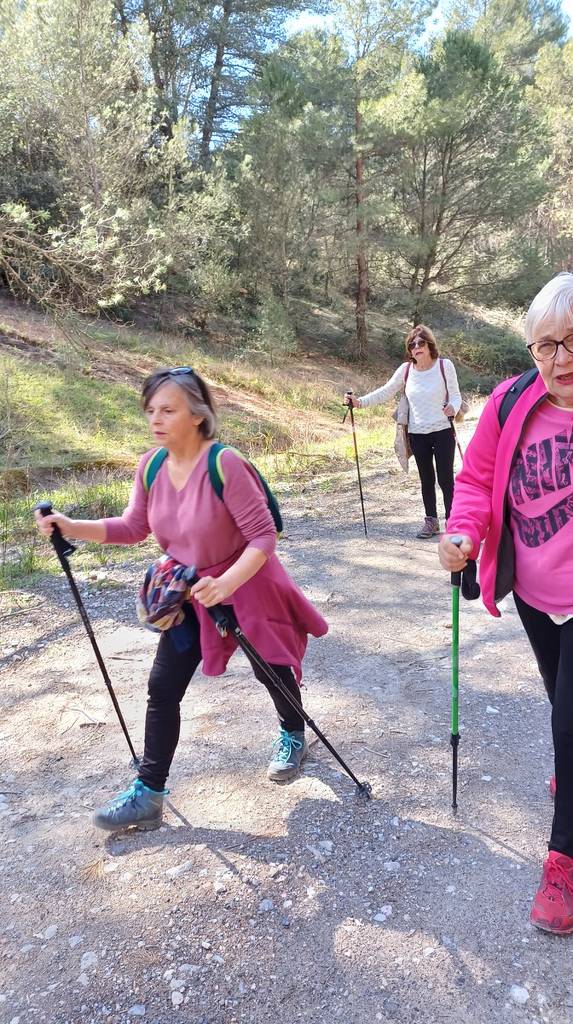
[[365, 791]]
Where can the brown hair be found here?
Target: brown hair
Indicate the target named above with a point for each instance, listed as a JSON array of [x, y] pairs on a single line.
[[195, 389], [423, 332]]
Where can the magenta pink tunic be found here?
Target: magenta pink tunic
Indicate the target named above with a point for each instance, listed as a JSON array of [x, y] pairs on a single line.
[[196, 528]]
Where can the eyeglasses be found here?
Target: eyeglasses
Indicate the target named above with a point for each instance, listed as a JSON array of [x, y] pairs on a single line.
[[417, 343], [546, 349]]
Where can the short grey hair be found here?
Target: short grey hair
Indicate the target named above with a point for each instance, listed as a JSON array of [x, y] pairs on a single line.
[[196, 391], [554, 303]]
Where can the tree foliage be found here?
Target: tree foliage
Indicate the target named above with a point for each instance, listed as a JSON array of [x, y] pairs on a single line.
[[154, 144], [466, 170]]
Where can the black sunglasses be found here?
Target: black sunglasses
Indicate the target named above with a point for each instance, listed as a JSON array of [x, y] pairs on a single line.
[[417, 343]]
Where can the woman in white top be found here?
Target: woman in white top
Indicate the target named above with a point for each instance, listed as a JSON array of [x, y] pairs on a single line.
[[433, 394]]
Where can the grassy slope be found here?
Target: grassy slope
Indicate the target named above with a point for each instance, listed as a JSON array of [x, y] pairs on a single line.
[[70, 423]]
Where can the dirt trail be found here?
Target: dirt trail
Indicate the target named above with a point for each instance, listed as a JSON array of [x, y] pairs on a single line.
[[254, 902]]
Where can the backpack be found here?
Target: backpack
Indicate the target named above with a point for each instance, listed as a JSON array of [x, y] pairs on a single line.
[[514, 392], [216, 476]]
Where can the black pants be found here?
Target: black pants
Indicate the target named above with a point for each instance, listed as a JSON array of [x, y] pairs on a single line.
[[553, 649], [170, 675], [440, 446]]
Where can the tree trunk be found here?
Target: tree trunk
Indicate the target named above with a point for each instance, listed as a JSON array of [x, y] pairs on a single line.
[[123, 22], [216, 74], [361, 258], [168, 116]]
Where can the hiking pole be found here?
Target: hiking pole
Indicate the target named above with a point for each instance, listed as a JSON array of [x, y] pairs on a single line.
[[349, 409], [458, 445], [64, 549], [456, 580], [226, 623]]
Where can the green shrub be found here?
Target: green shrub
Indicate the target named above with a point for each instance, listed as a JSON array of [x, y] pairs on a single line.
[[490, 351], [273, 336]]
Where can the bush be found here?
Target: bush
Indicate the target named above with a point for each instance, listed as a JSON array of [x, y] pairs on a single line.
[[274, 336], [491, 351]]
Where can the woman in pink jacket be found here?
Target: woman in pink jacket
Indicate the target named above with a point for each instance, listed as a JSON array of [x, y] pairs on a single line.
[[515, 494], [231, 542]]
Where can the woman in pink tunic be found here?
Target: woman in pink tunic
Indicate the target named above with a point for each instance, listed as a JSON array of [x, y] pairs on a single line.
[[231, 542]]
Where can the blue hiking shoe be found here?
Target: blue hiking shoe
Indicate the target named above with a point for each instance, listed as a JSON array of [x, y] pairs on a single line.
[[289, 751], [138, 807]]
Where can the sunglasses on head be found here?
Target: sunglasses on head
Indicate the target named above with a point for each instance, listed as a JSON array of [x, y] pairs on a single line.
[[417, 343], [179, 371]]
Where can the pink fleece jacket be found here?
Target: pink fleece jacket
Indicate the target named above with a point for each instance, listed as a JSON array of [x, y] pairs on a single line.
[[479, 504], [198, 529]]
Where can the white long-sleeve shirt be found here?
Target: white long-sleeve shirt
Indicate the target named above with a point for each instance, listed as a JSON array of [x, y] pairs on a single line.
[[426, 394]]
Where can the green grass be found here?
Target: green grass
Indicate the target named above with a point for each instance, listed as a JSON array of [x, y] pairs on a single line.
[[63, 417], [24, 552], [60, 418]]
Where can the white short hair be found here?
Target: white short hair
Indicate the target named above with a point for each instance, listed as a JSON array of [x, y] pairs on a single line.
[[554, 304]]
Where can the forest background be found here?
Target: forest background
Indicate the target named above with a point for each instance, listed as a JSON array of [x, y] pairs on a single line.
[[251, 184]]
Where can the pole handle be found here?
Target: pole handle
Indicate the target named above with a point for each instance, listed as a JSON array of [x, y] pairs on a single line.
[[217, 611], [62, 547], [456, 577], [348, 406]]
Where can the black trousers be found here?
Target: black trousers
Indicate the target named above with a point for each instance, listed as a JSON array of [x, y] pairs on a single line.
[[553, 649], [170, 676], [439, 446]]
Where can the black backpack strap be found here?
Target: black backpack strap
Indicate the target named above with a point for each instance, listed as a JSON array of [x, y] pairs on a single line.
[[514, 392]]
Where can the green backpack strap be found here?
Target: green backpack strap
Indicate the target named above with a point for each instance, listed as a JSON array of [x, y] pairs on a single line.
[[152, 467], [214, 467], [217, 478]]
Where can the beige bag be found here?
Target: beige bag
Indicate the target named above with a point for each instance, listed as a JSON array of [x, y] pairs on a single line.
[[401, 442]]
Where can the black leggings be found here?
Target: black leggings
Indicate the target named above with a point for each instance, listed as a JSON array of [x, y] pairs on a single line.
[[553, 649], [170, 675], [441, 446]]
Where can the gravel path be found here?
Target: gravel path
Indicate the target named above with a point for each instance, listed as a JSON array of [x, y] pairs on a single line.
[[257, 902]]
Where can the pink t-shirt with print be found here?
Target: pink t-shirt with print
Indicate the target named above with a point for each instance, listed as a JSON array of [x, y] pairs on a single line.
[[540, 497]]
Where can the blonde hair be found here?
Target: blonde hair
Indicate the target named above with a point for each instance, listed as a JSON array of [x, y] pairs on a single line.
[[554, 304], [196, 391]]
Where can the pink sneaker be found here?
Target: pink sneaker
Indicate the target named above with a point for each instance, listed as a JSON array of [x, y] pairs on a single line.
[[552, 787], [552, 909]]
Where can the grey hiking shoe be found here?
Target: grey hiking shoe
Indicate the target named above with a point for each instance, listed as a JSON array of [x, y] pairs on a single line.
[[430, 528], [289, 751], [139, 806]]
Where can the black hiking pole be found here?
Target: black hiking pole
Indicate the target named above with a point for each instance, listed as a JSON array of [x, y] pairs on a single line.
[[349, 409], [64, 549], [226, 623]]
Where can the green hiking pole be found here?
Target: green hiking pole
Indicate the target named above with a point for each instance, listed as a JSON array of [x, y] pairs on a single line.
[[456, 579]]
